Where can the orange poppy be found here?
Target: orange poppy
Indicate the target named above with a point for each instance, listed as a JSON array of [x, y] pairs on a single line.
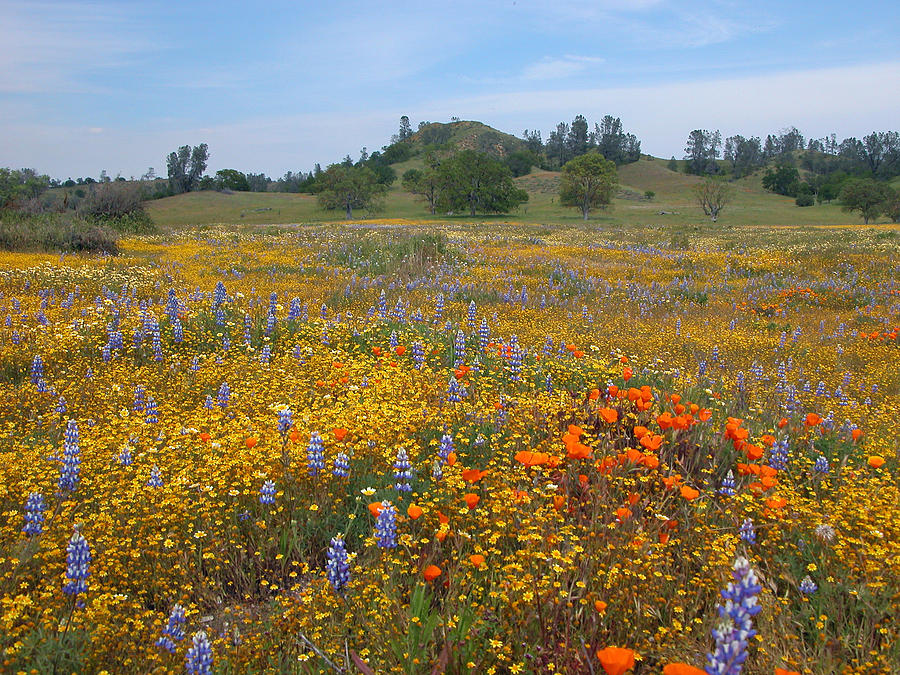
[[640, 432], [754, 452], [782, 423], [812, 419], [575, 431], [704, 414], [451, 459], [612, 389], [776, 503], [616, 660], [768, 440], [623, 514], [634, 498], [664, 421], [376, 351], [782, 671], [473, 475], [431, 572], [875, 461], [578, 451], [339, 434], [578, 353], [672, 481], [600, 606], [558, 502], [652, 442], [627, 373], [679, 408], [689, 493], [594, 395], [295, 436], [650, 461], [375, 508], [530, 459], [682, 669], [663, 538], [251, 442], [675, 398], [471, 500], [609, 415], [476, 559], [414, 511], [400, 350], [856, 434], [204, 436]]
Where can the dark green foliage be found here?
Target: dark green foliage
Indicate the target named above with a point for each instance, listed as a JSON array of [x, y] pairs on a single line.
[[18, 186], [117, 205], [521, 161], [867, 196], [349, 188], [54, 232], [614, 144], [805, 199], [477, 182], [186, 166], [672, 165], [782, 180], [701, 151], [231, 179], [588, 181]]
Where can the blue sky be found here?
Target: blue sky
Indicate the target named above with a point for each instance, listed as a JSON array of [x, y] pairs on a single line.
[[278, 86]]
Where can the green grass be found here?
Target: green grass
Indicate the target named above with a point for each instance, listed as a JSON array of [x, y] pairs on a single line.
[[672, 205]]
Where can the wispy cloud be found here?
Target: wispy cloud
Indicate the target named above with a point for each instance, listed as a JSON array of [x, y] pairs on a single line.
[[556, 68], [47, 47]]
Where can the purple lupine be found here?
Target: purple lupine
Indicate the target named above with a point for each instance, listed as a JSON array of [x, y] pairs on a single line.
[[337, 567], [736, 630]]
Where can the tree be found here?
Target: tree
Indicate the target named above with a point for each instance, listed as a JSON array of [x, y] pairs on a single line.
[[745, 154], [783, 180], [232, 179], [712, 196], [20, 185], [881, 150], [867, 196], [348, 188], [520, 162], [186, 166], [577, 139], [478, 182], [701, 151], [892, 206], [557, 149], [533, 141], [258, 182], [672, 165], [613, 143], [587, 182], [426, 183], [404, 132]]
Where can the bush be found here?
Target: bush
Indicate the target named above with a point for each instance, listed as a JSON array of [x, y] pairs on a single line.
[[117, 205], [54, 232], [805, 199]]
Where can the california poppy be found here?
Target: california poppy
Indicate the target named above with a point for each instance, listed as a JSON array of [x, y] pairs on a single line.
[[875, 461], [600, 606], [414, 511], [431, 572], [812, 419], [682, 669], [473, 475], [339, 434], [400, 350], [375, 508], [530, 459], [616, 660], [704, 414], [623, 514], [782, 671], [627, 373], [251, 442], [476, 559], [609, 415], [689, 493], [204, 436], [471, 500], [856, 434]]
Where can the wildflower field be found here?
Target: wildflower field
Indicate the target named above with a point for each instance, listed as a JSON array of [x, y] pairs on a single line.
[[401, 448]]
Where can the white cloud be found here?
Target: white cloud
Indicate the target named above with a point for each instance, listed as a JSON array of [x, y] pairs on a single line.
[[45, 47], [556, 68]]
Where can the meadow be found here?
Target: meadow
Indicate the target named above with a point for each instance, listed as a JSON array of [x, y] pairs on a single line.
[[453, 448]]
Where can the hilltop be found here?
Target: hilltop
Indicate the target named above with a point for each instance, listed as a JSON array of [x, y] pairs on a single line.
[[465, 135]]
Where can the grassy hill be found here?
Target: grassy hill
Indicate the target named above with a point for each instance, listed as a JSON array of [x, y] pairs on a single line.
[[673, 203]]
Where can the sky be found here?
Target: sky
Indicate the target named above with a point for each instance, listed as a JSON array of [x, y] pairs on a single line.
[[277, 86]]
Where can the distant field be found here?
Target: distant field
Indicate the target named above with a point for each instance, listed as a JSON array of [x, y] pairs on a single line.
[[672, 205]]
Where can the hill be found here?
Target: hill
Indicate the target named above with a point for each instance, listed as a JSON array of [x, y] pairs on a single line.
[[465, 135]]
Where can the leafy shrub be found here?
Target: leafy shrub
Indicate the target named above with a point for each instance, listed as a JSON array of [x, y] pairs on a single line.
[[805, 199], [117, 205], [54, 232]]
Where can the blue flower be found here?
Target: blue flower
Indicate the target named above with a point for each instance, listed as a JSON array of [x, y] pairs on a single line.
[[727, 486], [733, 635], [285, 422], [808, 586], [386, 526], [155, 478], [34, 514], [71, 467], [315, 454], [78, 558], [341, 465], [748, 532], [402, 471], [173, 632], [337, 567], [198, 659], [821, 465], [267, 493]]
